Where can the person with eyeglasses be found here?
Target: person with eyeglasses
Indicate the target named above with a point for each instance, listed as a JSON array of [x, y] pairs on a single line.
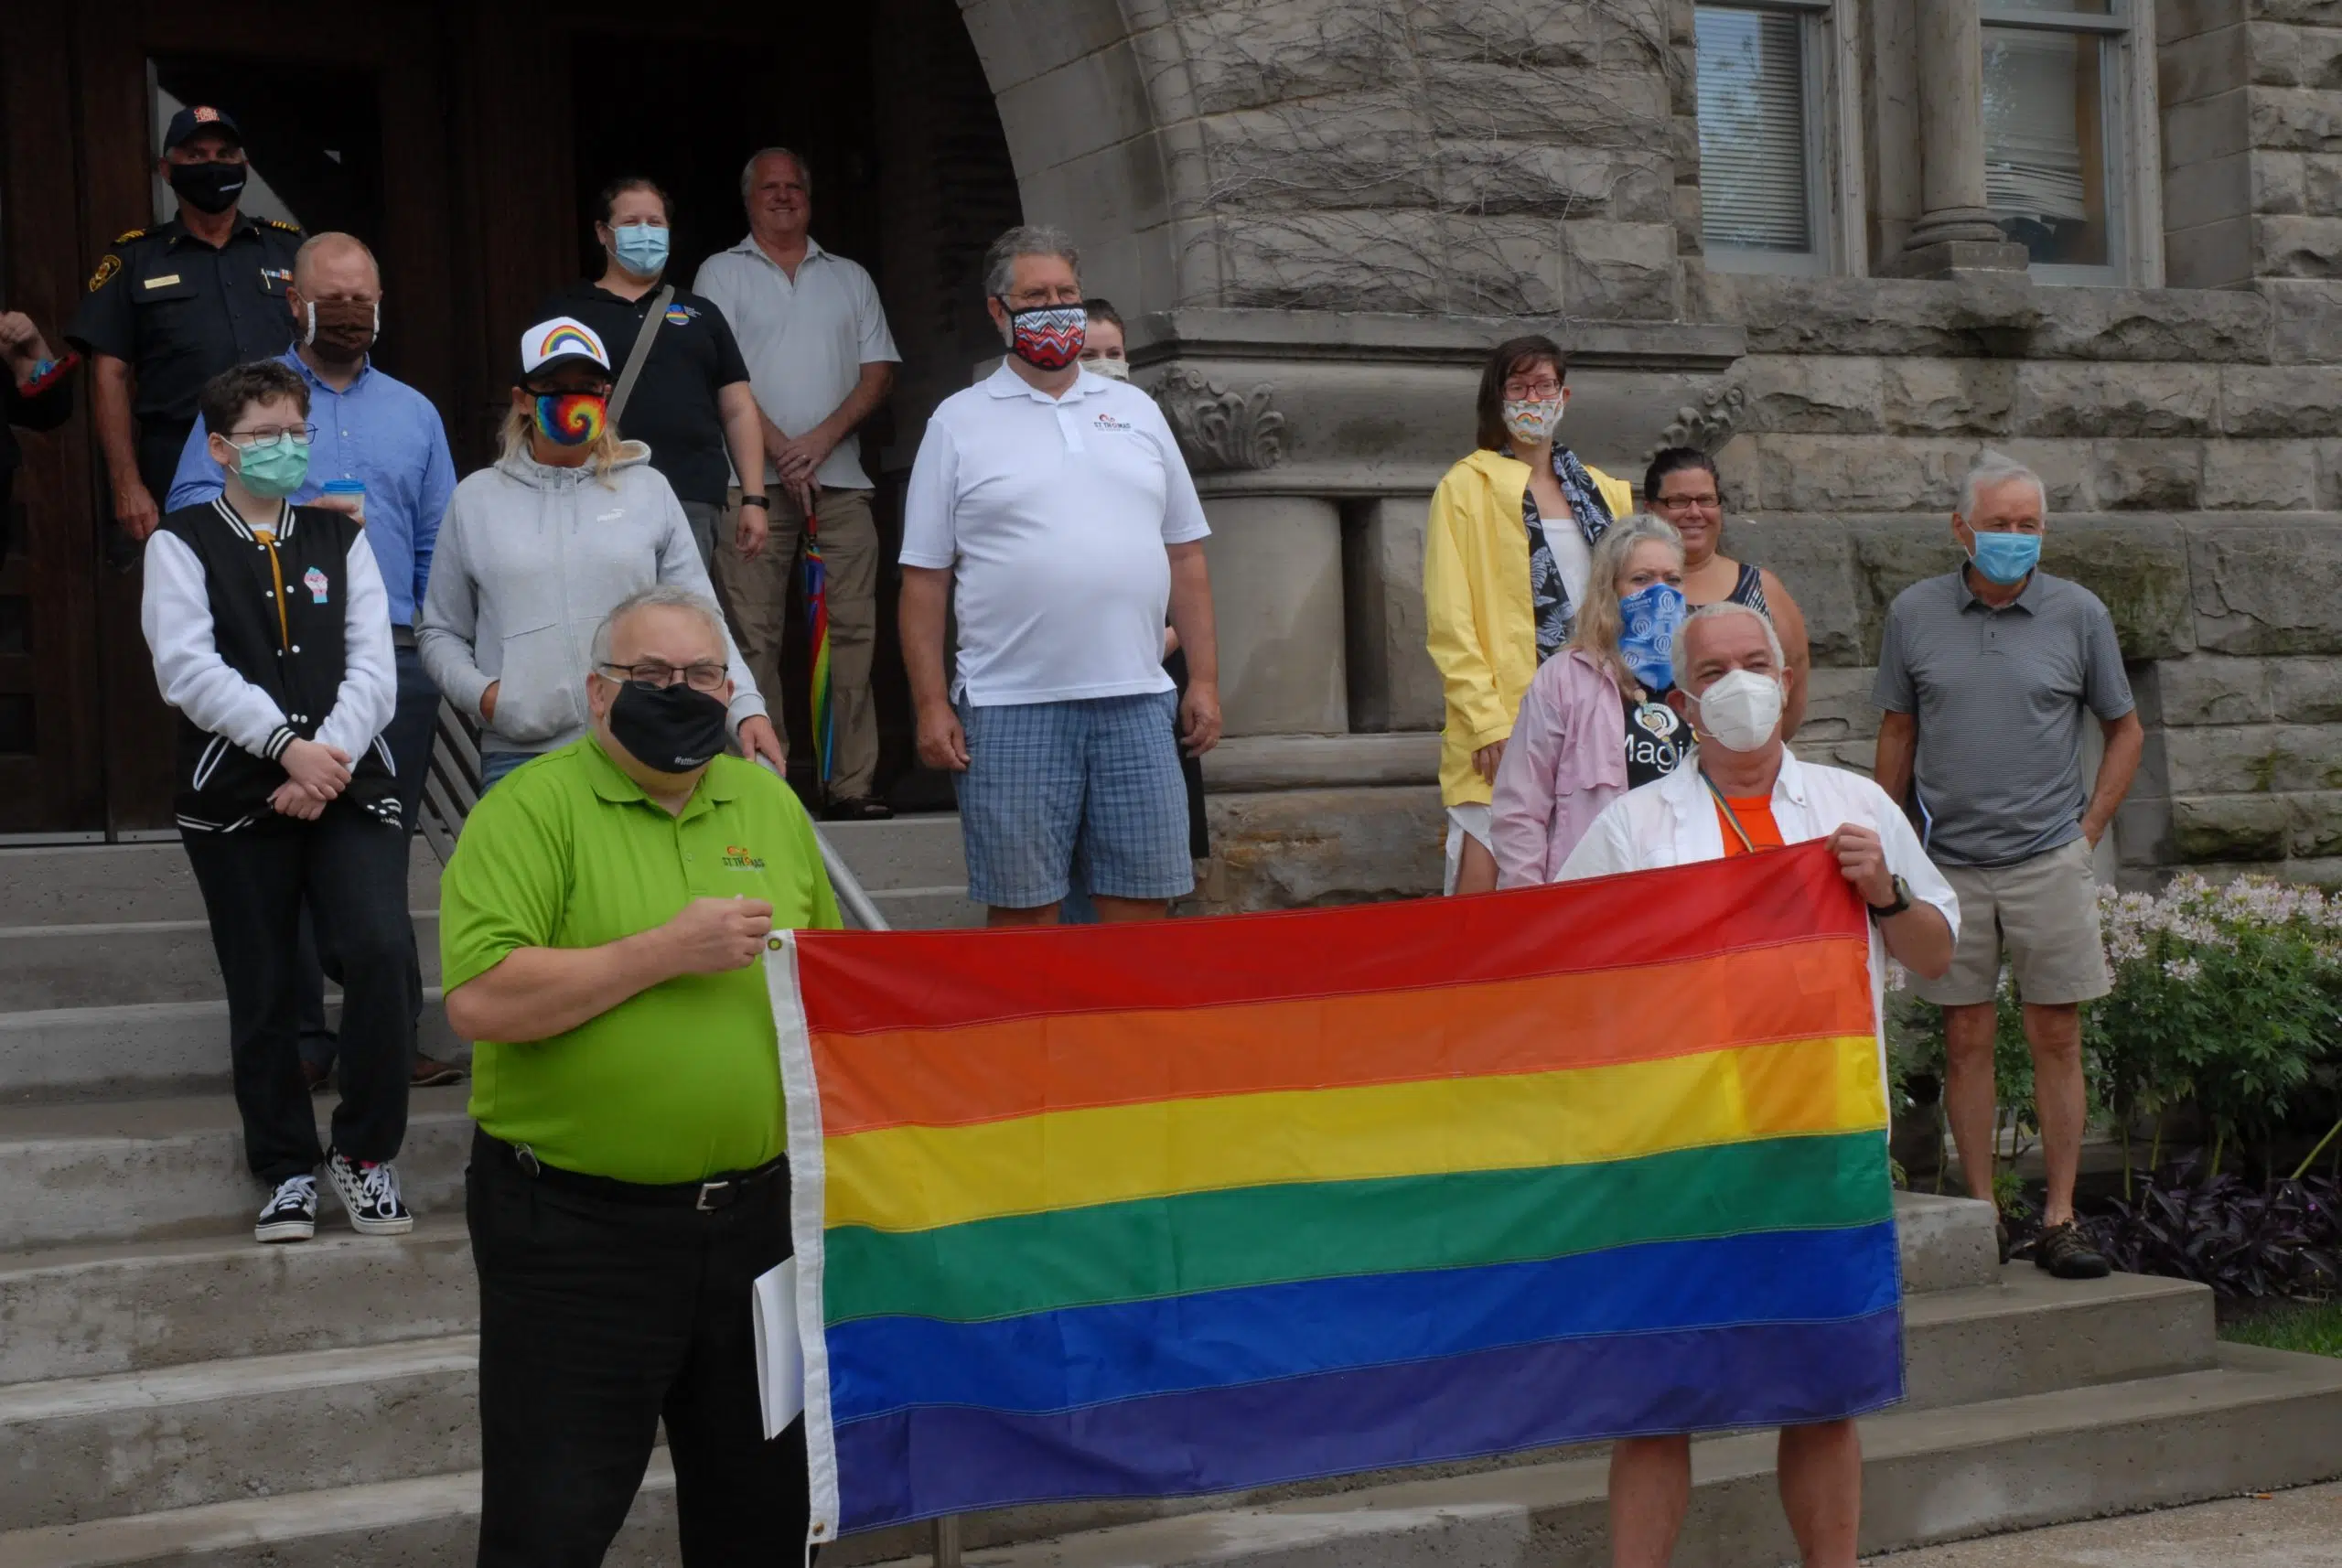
[[1682, 485], [1507, 552], [381, 455], [535, 550], [271, 636], [604, 924]]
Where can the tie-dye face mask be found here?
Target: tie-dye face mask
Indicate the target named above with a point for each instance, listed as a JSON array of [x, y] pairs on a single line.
[[571, 419], [1048, 337]]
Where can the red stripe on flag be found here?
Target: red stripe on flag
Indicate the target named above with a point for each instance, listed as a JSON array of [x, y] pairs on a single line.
[[856, 983]]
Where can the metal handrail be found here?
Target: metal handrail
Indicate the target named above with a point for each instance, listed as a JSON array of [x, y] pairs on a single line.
[[853, 900]]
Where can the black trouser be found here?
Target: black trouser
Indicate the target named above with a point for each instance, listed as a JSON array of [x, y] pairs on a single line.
[[409, 736], [598, 1317], [349, 870]]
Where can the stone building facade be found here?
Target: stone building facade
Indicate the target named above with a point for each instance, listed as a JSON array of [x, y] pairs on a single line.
[[1326, 209]]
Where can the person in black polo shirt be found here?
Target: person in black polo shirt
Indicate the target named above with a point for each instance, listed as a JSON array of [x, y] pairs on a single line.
[[170, 307], [691, 404], [270, 632]]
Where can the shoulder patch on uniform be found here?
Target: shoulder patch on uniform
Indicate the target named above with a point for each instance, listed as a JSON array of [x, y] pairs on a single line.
[[107, 266], [280, 223], [127, 235]]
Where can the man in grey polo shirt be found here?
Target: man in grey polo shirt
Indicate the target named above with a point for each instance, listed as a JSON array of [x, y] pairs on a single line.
[[821, 361], [1984, 675]]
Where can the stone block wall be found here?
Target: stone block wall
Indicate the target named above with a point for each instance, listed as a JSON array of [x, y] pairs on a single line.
[[2252, 139], [2231, 627]]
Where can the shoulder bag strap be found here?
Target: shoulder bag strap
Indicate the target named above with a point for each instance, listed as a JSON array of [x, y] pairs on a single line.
[[640, 352]]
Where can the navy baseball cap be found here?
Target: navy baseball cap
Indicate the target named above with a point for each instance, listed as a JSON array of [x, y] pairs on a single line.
[[197, 119]]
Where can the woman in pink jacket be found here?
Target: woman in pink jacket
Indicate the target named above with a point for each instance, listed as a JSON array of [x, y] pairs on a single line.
[[1595, 722]]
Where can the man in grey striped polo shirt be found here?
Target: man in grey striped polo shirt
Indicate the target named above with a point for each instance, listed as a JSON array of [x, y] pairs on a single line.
[[1985, 676]]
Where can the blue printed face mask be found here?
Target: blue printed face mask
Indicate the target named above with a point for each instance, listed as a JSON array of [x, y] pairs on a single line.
[[1647, 621], [640, 248], [2006, 558]]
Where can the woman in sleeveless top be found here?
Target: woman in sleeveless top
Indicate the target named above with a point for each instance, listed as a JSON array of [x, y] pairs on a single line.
[[1682, 486]]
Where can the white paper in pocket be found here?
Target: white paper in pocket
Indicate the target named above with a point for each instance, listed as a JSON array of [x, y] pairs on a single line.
[[781, 1358]]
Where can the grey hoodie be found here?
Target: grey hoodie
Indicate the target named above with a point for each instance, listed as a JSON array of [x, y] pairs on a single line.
[[528, 562]]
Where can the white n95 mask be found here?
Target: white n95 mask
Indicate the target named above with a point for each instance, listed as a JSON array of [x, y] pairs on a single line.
[[1742, 710]]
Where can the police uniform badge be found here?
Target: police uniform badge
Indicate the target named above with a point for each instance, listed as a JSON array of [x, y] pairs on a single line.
[[108, 266]]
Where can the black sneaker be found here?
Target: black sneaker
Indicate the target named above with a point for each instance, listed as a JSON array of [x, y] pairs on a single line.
[[858, 808], [2067, 1254], [292, 1214], [369, 1190]]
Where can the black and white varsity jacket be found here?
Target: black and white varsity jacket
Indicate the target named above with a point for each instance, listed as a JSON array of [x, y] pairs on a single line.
[[263, 638]]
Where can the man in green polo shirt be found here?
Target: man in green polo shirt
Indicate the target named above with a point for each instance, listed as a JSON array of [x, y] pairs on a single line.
[[604, 926]]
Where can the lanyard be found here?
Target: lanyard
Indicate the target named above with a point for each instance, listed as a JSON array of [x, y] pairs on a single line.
[[1729, 816]]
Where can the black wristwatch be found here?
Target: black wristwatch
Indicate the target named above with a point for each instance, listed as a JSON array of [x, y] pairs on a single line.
[[764, 502], [1902, 902]]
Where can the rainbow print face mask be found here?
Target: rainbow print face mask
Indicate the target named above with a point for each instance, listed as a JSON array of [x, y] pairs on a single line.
[[571, 419]]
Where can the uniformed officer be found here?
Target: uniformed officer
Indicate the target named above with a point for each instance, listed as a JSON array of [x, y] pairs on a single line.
[[172, 306]]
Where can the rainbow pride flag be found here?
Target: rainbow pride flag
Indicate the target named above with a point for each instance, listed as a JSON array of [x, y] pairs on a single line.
[[1122, 1211]]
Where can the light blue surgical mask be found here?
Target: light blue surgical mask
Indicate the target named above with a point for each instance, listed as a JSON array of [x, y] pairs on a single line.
[[640, 248], [1647, 621], [2006, 558]]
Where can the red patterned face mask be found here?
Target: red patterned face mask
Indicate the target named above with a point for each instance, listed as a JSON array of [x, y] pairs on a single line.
[[1048, 337]]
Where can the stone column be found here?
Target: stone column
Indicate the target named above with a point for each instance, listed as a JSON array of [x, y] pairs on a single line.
[[1955, 231]]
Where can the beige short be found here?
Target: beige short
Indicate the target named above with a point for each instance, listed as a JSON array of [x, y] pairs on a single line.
[[2043, 913]]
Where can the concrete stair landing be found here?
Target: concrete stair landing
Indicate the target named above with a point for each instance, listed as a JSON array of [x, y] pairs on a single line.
[[173, 1393]]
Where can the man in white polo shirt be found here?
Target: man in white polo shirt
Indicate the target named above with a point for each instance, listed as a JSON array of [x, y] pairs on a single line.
[[821, 361], [1059, 501]]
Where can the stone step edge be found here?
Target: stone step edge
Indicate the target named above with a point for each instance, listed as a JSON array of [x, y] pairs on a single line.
[[1343, 1524], [137, 927], [357, 1511], [207, 1383], [135, 1012]]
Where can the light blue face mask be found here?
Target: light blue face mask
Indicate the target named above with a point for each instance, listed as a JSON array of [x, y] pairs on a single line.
[[2006, 558], [640, 248], [1647, 621]]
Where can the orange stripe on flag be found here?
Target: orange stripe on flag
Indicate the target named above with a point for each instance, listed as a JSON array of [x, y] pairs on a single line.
[[992, 1071]]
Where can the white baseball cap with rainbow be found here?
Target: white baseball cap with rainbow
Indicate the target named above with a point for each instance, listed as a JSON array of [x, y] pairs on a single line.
[[564, 340]]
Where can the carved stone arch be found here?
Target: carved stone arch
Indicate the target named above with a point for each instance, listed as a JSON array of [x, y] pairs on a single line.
[[1095, 102]]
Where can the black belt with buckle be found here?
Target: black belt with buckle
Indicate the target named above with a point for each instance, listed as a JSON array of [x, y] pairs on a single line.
[[716, 1192]]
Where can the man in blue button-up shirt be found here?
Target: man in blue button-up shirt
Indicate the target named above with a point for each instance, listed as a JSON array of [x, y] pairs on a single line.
[[378, 433]]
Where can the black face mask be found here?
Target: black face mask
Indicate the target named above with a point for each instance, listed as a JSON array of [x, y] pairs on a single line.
[[209, 188], [671, 729]]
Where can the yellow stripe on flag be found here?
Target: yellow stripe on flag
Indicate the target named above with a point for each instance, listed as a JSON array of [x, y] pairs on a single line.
[[913, 1178]]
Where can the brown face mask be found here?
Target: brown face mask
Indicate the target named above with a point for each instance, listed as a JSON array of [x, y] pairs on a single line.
[[341, 330]]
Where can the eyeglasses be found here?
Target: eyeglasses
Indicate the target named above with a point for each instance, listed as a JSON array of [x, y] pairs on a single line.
[[1542, 392], [1708, 502], [1041, 299], [270, 434], [698, 677]]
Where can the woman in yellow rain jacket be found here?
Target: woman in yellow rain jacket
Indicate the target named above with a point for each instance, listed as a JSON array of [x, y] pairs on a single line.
[[1505, 556]]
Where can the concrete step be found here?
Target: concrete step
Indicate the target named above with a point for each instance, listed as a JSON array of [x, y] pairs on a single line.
[[181, 1436], [80, 884], [112, 963], [210, 1431], [116, 1171], [2257, 1420], [147, 1049], [908, 852], [124, 1306], [432, 1521], [930, 908]]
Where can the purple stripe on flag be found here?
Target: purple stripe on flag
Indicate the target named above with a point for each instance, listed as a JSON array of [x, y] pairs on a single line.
[[917, 1464]]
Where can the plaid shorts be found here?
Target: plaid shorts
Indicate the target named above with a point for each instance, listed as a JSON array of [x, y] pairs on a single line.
[[1099, 772]]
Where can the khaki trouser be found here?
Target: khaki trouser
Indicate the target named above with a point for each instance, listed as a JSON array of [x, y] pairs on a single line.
[[757, 595]]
